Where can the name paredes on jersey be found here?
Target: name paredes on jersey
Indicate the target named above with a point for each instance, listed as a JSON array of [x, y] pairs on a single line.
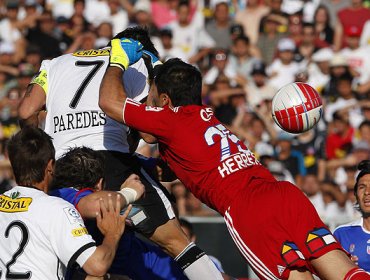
[[237, 162], [79, 120]]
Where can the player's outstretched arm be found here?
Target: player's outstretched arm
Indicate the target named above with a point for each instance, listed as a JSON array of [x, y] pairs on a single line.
[[112, 96], [131, 190], [31, 104], [112, 225]]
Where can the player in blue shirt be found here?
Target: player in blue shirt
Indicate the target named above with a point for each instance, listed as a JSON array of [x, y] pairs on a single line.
[[355, 236], [78, 178]]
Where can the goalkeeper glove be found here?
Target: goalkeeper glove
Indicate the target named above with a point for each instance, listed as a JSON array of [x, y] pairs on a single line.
[[125, 52]]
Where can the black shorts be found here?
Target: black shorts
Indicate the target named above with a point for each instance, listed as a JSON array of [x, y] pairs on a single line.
[[154, 208]]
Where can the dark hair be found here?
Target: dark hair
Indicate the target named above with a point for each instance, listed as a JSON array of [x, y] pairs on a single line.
[[327, 14], [184, 223], [140, 34], [364, 168], [242, 38], [80, 168], [30, 150], [182, 82], [363, 124], [308, 24]]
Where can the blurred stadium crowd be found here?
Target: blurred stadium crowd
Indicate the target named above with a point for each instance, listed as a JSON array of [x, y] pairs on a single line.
[[246, 50]]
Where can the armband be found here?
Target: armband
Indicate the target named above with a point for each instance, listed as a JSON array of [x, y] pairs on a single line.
[[41, 79]]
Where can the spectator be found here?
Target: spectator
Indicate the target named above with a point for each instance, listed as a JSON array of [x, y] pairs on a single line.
[[338, 67], [279, 171], [250, 18], [142, 16], [333, 7], [295, 26], [270, 36], [241, 59], [219, 66], [327, 198], [104, 32], [258, 89], [283, 68], [194, 207], [339, 140], [319, 68], [312, 146], [346, 101], [353, 15], [323, 29], [166, 49], [293, 160], [354, 236], [44, 37], [275, 8], [118, 17], [309, 43], [357, 57], [193, 41], [219, 27]]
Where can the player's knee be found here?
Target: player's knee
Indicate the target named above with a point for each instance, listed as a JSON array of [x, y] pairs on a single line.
[[357, 274]]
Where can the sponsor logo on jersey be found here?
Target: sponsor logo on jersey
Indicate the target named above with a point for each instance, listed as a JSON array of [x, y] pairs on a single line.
[[72, 215], [79, 120], [92, 53], [280, 269], [352, 248], [13, 205], [153, 109], [368, 249], [206, 114], [318, 239], [77, 232], [290, 254]]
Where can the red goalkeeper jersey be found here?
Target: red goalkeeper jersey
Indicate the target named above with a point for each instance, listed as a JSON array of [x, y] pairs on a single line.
[[212, 162]]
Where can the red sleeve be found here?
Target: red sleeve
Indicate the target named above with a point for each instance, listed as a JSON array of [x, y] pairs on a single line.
[[153, 120]]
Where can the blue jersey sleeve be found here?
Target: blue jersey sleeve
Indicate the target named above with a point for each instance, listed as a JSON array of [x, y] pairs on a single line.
[[71, 195]]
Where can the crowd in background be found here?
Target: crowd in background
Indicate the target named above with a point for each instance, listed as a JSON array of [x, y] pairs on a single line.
[[246, 50]]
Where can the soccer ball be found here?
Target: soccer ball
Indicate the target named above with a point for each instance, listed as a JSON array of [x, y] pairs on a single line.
[[296, 107]]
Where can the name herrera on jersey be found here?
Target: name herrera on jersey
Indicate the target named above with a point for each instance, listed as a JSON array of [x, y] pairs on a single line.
[[79, 120], [236, 162]]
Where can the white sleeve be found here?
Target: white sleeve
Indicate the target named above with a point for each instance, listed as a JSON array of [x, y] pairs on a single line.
[[68, 235]]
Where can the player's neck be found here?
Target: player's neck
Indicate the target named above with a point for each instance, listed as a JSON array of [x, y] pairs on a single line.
[[366, 223]]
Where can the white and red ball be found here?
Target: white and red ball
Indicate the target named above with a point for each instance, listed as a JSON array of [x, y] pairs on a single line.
[[296, 107]]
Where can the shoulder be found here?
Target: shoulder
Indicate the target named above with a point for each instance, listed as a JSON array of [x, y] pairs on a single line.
[[348, 226]]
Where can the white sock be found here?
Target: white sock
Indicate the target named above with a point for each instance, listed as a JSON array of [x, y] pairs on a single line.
[[197, 265]]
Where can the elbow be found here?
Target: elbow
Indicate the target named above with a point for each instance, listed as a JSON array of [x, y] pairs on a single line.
[[98, 270], [104, 105]]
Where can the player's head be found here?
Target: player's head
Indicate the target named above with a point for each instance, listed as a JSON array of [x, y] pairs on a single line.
[[362, 188], [80, 168], [32, 156], [140, 34], [180, 82]]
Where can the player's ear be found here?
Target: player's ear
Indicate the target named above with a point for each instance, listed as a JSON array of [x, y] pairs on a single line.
[[165, 99]]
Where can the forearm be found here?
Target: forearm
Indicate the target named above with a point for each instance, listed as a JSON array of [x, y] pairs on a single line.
[[101, 260], [33, 120], [88, 206], [112, 95]]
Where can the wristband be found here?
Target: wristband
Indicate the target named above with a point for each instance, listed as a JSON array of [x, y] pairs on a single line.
[[129, 194]]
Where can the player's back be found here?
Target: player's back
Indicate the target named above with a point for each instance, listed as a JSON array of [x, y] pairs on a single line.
[[29, 230], [74, 117]]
